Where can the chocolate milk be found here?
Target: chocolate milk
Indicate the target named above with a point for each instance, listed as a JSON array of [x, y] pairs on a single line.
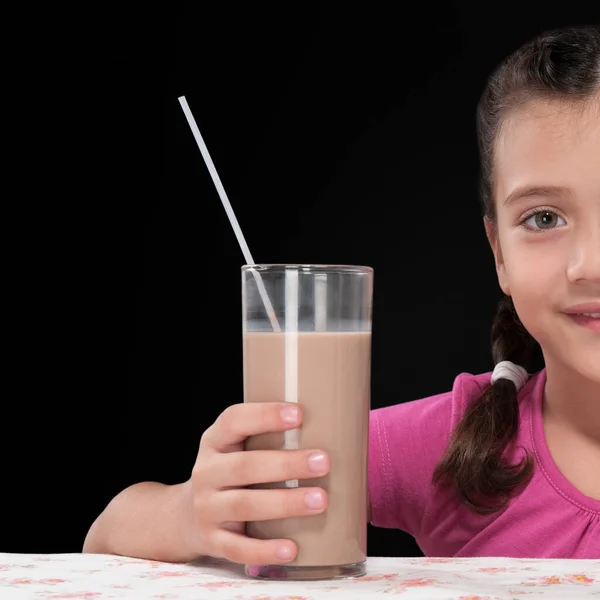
[[332, 371]]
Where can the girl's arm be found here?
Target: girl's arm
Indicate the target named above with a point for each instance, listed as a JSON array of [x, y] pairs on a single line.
[[147, 520]]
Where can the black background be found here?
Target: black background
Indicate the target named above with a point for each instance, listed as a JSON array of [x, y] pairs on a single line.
[[342, 135]]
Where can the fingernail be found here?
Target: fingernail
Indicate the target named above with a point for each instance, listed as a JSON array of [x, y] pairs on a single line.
[[314, 499], [317, 462], [289, 414], [284, 553]]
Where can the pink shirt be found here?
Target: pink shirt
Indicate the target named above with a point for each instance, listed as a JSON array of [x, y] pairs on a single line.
[[549, 519]]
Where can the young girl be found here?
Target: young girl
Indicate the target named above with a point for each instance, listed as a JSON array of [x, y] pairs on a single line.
[[505, 464]]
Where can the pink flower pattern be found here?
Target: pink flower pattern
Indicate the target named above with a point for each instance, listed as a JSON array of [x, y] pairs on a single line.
[[99, 577]]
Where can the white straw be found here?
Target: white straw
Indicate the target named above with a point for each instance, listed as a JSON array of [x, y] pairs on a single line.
[[290, 439], [320, 302], [229, 210]]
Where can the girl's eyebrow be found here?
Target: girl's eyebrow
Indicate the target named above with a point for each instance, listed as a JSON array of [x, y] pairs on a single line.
[[527, 191]]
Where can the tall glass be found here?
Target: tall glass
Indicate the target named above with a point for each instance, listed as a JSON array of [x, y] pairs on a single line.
[[314, 349]]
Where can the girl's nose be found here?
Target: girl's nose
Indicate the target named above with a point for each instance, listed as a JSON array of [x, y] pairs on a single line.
[[584, 266]]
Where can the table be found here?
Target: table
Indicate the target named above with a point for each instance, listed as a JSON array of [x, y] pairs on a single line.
[[100, 577]]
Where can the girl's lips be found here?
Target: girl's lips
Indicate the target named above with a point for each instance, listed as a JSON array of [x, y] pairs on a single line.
[[587, 308], [588, 322]]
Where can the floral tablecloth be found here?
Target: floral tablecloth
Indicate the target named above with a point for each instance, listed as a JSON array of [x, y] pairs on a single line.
[[91, 577]]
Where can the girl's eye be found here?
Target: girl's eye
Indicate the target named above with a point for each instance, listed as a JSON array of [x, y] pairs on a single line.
[[543, 219]]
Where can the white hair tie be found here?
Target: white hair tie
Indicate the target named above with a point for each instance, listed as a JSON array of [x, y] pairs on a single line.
[[509, 370]]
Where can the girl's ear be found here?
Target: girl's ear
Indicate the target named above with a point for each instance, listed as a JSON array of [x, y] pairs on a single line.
[[492, 236]]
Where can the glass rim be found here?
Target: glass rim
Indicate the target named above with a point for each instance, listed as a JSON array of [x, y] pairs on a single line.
[[309, 268]]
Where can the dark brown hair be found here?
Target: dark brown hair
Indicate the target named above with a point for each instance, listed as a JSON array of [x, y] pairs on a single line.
[[559, 64]]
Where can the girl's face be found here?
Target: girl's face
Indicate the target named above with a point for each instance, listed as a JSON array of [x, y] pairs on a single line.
[[547, 239]]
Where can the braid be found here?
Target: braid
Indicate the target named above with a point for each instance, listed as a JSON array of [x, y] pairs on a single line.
[[510, 340], [473, 462]]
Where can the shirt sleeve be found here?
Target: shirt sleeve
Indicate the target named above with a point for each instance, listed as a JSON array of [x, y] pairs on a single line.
[[406, 441]]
